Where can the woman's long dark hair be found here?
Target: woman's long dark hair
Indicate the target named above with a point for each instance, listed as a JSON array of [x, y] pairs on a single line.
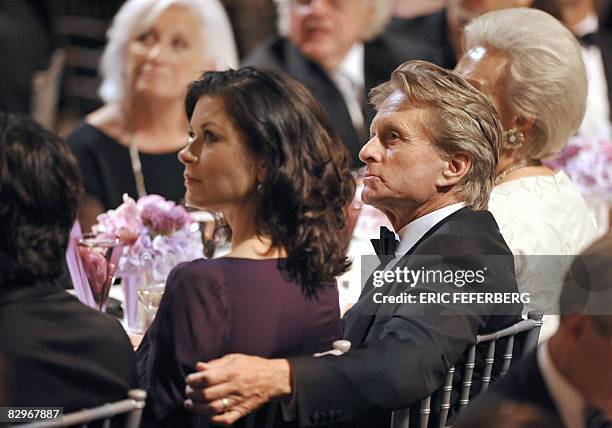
[[40, 185], [308, 183]]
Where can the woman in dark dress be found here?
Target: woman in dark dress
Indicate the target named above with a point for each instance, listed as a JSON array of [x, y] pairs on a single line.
[[261, 151], [130, 145]]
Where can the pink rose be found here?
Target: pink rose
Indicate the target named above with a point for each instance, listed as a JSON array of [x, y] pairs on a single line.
[[123, 221], [96, 269], [157, 219]]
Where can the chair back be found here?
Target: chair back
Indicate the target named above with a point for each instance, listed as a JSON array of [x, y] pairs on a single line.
[[130, 411], [525, 331]]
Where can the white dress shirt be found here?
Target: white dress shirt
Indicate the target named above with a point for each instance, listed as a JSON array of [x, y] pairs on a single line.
[[570, 403], [416, 229], [596, 122], [349, 77]]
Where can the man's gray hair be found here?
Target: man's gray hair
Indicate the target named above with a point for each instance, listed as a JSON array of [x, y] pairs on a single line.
[[458, 119], [546, 79], [136, 16], [383, 9]]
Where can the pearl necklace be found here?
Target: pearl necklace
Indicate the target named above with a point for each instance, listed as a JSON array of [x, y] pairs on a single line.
[[517, 165]]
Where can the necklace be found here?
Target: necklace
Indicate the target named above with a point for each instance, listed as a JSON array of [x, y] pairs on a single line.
[[134, 154], [513, 167], [137, 168]]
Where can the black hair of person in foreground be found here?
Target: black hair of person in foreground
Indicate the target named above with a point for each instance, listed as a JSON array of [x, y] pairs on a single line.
[[57, 348]]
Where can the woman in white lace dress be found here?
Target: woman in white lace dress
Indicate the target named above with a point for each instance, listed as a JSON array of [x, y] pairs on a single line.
[[531, 66]]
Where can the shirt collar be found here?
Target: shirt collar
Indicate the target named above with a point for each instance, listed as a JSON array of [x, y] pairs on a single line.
[[352, 65], [570, 403], [588, 25], [416, 229]]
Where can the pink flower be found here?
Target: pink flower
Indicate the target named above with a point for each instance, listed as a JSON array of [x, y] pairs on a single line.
[[568, 152], [96, 269], [163, 219], [155, 200], [180, 217], [123, 221], [589, 164], [155, 226], [157, 219]]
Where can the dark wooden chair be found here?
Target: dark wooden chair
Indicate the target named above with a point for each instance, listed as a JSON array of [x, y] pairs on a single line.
[[526, 331]]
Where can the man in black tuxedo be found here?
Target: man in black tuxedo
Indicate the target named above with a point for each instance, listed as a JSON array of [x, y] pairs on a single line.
[[436, 37], [570, 375], [327, 49], [58, 352], [580, 17], [430, 167]]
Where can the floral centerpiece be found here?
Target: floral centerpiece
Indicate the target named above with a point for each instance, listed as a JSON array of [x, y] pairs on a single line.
[[156, 235], [154, 226], [588, 162]]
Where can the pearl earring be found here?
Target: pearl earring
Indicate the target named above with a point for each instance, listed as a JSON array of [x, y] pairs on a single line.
[[512, 139]]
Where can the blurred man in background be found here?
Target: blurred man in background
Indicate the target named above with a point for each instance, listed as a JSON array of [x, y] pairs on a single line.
[[327, 49]]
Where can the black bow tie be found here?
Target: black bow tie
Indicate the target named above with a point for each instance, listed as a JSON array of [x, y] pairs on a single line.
[[385, 246], [596, 419], [589, 39]]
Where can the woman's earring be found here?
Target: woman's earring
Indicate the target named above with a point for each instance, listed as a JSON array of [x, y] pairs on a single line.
[[260, 188], [512, 139]]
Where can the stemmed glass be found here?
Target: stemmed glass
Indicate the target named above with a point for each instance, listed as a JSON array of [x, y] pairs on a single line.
[[150, 296], [99, 256]]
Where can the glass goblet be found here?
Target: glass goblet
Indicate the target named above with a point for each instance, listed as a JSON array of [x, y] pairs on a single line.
[[97, 253], [150, 296]]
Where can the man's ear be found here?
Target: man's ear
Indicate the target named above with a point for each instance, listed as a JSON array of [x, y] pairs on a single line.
[[456, 167], [576, 325]]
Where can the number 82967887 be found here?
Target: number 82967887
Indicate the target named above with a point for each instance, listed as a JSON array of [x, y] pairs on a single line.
[[29, 414]]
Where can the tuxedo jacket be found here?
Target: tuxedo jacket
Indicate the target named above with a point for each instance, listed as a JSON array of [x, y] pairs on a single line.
[[61, 352], [603, 39], [426, 38], [379, 62], [400, 353], [423, 37]]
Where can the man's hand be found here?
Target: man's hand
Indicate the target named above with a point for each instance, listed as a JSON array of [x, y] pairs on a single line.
[[235, 385]]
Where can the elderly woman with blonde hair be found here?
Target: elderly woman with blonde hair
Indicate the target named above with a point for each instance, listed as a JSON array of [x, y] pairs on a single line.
[[531, 66], [130, 145]]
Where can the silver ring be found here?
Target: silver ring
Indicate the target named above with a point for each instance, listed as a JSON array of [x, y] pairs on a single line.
[[225, 403]]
